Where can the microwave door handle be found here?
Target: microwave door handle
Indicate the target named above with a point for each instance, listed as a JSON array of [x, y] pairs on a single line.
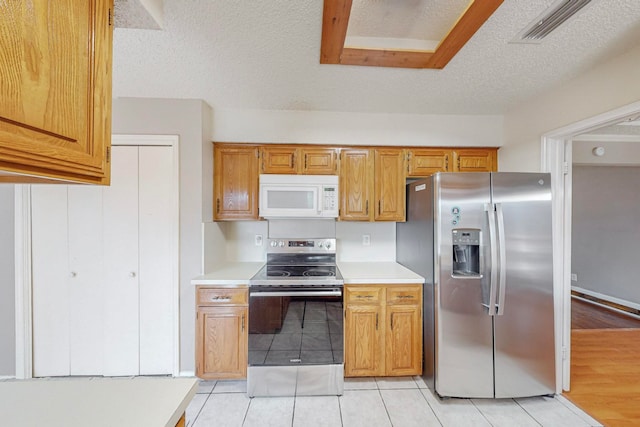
[[320, 193]]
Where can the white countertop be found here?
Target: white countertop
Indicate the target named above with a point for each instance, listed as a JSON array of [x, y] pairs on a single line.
[[384, 273], [232, 274], [96, 402]]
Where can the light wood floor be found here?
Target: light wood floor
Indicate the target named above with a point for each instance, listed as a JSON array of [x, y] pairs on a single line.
[[605, 367]]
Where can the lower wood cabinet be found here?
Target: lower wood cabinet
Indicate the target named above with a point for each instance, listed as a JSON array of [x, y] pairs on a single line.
[[221, 332], [383, 330]]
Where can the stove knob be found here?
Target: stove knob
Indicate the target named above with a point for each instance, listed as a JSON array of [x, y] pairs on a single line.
[[327, 245], [274, 243], [320, 245], [281, 243]]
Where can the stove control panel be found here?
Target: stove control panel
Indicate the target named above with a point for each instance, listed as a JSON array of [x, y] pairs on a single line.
[[301, 245]]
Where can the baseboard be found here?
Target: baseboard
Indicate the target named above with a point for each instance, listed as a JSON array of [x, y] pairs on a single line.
[[7, 377], [606, 301], [187, 374]]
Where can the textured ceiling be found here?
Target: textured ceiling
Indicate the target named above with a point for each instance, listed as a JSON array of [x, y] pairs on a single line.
[[265, 55]]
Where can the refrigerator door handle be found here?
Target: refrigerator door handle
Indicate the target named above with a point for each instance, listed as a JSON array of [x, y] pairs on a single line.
[[493, 247], [502, 279]]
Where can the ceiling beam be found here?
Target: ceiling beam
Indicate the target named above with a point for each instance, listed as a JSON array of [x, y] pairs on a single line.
[[335, 21]]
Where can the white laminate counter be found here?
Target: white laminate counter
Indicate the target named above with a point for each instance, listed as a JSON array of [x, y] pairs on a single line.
[[229, 274], [96, 402], [384, 273]]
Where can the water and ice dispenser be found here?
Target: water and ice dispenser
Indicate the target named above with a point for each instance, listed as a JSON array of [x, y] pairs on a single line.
[[466, 252]]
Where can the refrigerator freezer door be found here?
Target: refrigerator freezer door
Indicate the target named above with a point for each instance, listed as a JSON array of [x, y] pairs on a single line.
[[524, 334], [464, 336]]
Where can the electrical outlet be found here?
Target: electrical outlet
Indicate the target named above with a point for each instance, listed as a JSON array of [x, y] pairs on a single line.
[[574, 277], [366, 240], [258, 239]]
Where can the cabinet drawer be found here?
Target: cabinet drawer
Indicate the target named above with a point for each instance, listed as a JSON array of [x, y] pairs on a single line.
[[409, 295], [222, 296], [363, 295]]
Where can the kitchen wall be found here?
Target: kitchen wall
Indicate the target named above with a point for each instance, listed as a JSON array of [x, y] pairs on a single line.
[[190, 120], [7, 282], [606, 87], [324, 127], [238, 241], [606, 230]]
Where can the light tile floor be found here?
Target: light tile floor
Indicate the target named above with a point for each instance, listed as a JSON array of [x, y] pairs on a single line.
[[372, 402]]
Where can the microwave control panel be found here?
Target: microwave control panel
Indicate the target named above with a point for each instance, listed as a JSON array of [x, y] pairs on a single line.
[[330, 197]]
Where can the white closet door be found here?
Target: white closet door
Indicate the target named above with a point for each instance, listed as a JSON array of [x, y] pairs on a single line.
[[50, 270], [156, 219], [121, 298], [85, 282]]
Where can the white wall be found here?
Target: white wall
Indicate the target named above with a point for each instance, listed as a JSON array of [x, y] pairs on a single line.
[[188, 119], [604, 88], [323, 127], [238, 242], [7, 283]]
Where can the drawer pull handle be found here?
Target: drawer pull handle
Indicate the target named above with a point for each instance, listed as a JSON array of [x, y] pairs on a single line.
[[223, 298], [364, 296], [406, 297]]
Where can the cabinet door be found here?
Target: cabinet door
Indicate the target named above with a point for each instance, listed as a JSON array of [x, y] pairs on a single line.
[[403, 340], [86, 273], [279, 159], [235, 186], [55, 91], [156, 258], [356, 170], [389, 185], [51, 277], [221, 343], [319, 161], [121, 293], [364, 341], [476, 160], [426, 162]]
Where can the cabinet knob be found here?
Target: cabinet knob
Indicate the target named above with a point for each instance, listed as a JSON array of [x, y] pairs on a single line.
[[132, 274], [73, 274]]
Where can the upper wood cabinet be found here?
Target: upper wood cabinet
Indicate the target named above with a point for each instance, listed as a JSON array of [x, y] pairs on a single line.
[[55, 90], [356, 173], [235, 183], [475, 160], [423, 162], [283, 159], [279, 159], [372, 184], [319, 161], [389, 184]]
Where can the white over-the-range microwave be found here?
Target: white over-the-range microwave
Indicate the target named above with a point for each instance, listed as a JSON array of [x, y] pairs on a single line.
[[298, 196]]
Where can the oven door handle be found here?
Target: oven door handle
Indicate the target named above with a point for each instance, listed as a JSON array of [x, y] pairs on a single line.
[[331, 293]]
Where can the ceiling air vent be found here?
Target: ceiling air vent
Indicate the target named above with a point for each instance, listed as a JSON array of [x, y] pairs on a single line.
[[551, 19]]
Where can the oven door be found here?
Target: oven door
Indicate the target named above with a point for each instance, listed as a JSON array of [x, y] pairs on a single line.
[[295, 325]]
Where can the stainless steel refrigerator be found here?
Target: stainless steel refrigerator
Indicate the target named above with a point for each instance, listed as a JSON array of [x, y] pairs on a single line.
[[483, 243]]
